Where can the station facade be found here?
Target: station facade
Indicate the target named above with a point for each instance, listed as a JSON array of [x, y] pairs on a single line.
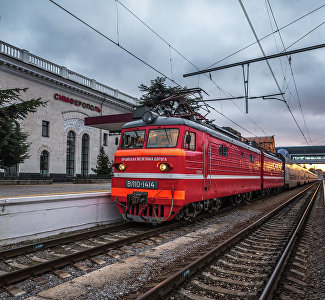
[[61, 145]]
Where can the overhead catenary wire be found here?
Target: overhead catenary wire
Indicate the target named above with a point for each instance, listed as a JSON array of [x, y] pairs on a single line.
[[309, 32], [266, 36], [289, 61], [220, 113], [118, 45], [270, 68], [153, 31], [191, 63], [276, 44], [132, 54]]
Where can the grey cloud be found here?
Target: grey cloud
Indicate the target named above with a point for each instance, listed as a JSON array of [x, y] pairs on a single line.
[[203, 31]]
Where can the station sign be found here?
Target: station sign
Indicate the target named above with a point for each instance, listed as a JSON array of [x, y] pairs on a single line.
[[76, 102]]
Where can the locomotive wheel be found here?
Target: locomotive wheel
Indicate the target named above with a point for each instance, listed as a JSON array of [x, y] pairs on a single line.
[[248, 197], [217, 203], [206, 205], [236, 199], [186, 213]]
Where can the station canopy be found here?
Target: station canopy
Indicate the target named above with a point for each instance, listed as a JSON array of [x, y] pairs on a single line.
[[112, 123]]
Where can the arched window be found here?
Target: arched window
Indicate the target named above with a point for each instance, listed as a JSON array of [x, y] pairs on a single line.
[[44, 163], [84, 154], [71, 147]]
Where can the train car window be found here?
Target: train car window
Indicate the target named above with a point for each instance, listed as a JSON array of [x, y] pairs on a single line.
[[133, 139], [225, 151], [162, 138], [220, 150]]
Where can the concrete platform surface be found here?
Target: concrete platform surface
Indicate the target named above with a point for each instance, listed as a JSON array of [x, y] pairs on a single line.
[[7, 191]]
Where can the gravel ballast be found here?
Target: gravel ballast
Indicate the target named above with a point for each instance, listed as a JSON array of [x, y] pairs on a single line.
[[130, 272]]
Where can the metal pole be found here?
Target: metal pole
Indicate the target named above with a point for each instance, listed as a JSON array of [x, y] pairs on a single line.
[[256, 60], [246, 75]]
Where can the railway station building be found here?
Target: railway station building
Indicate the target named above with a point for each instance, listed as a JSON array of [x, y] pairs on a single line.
[[61, 145]]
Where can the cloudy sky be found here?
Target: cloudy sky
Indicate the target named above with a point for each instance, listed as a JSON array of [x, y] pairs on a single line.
[[203, 31]]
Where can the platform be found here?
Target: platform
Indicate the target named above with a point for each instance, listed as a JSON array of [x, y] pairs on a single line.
[[37, 211], [55, 188]]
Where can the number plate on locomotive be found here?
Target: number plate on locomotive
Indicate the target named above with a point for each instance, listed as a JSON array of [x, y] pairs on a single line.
[[141, 184]]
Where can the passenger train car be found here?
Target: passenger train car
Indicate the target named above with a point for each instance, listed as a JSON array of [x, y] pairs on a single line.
[[296, 175], [168, 168]]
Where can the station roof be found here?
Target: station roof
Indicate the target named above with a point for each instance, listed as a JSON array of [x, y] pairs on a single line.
[[304, 149], [109, 122]]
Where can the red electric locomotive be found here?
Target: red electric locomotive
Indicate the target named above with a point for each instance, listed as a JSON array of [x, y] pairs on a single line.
[[167, 167]]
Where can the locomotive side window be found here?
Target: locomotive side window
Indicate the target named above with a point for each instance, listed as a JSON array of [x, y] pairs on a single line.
[[220, 150], [162, 138], [191, 145], [251, 158], [133, 139], [186, 145], [225, 151], [241, 155], [193, 138]]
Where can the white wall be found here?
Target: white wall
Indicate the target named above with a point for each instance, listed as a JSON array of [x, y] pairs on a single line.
[[25, 218], [63, 117]]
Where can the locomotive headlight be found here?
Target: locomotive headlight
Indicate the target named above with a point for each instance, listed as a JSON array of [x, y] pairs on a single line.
[[164, 167], [121, 167], [148, 117]]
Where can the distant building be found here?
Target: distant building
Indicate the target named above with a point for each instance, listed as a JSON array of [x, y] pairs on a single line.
[[267, 142]]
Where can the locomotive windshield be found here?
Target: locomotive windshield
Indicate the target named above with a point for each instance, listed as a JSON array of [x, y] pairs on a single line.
[[133, 139], [162, 138]]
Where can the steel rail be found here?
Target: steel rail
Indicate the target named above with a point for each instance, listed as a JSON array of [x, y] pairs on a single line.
[[178, 277], [46, 244], [59, 262], [21, 274], [276, 274]]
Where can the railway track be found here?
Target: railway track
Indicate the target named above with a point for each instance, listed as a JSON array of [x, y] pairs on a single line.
[[80, 251], [296, 279], [246, 266]]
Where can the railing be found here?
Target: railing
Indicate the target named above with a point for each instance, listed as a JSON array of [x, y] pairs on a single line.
[[62, 71], [44, 64], [10, 50], [79, 78]]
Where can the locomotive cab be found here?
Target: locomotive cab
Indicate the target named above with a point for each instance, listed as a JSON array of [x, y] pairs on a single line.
[[147, 165]]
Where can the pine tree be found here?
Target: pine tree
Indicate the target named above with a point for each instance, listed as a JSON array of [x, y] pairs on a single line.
[[104, 165], [15, 148], [13, 141], [157, 91]]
